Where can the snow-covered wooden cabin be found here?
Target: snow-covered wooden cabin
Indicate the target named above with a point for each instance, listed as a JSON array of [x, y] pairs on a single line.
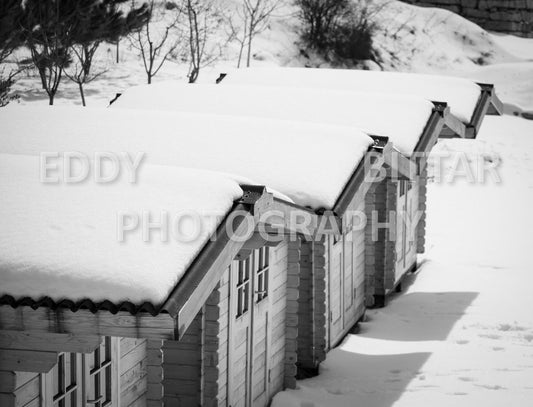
[[460, 106], [405, 116], [88, 320]]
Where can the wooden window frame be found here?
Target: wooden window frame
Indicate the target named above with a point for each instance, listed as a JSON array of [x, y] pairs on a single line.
[[58, 392], [262, 272], [243, 287]]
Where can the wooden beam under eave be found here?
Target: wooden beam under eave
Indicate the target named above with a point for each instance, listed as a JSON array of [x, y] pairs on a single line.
[[27, 360], [453, 125], [430, 136], [486, 100], [205, 273], [84, 322], [496, 105], [400, 166], [46, 341], [283, 215], [360, 182]]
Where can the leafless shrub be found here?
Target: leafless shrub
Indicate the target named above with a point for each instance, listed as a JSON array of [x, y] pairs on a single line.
[[160, 38], [203, 18]]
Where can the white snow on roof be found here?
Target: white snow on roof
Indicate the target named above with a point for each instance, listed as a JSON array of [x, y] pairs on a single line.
[[462, 95], [401, 118], [296, 158], [61, 240]]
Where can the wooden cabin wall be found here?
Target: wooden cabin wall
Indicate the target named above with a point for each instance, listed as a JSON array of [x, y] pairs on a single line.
[[154, 367], [133, 372], [383, 272], [422, 206], [19, 389], [346, 279], [282, 360], [305, 305], [379, 248], [182, 367], [197, 368]]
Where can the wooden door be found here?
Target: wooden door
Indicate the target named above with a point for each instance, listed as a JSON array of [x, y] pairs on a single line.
[[405, 228], [411, 207], [261, 328], [336, 287], [240, 333], [401, 201], [249, 353], [349, 280]]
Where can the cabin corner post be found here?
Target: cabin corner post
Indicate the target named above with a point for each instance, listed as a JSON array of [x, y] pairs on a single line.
[[422, 206], [292, 317], [18, 388], [376, 247], [320, 299], [391, 237], [214, 348], [154, 368]]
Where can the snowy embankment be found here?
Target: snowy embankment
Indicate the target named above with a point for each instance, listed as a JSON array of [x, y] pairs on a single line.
[[462, 333], [408, 38]]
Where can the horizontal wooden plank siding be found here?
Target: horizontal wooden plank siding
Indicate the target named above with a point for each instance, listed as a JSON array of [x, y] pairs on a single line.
[[133, 371], [182, 356], [422, 202], [282, 370], [320, 259], [19, 389]]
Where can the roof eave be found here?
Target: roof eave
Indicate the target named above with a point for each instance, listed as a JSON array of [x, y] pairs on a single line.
[[488, 104], [434, 126], [359, 183]]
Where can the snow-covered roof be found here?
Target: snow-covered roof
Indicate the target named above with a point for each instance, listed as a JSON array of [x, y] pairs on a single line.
[[62, 240], [296, 158], [462, 95], [401, 118]]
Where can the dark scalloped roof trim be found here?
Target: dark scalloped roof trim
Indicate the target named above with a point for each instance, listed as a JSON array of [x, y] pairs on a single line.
[[84, 304]]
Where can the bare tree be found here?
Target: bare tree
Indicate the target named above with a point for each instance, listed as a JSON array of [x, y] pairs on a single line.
[[48, 26], [106, 22], [10, 39], [159, 39], [80, 70], [238, 31], [203, 18], [257, 15]]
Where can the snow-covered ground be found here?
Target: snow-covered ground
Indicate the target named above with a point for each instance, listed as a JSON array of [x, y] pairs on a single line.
[[462, 332]]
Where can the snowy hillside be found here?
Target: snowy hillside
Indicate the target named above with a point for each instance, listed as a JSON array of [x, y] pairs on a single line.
[[408, 38]]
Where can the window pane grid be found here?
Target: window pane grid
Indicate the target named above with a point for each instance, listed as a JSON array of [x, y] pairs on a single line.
[[243, 287], [94, 370], [262, 273]]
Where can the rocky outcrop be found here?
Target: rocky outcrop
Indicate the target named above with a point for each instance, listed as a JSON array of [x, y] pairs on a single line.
[[508, 16]]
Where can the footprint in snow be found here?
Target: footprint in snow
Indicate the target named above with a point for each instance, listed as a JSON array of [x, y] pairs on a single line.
[[462, 342], [467, 379], [335, 391], [491, 387], [490, 336], [395, 371], [509, 327], [497, 348]]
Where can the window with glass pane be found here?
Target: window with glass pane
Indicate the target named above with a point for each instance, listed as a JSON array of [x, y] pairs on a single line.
[[79, 380], [243, 287], [262, 273], [67, 380], [98, 372]]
